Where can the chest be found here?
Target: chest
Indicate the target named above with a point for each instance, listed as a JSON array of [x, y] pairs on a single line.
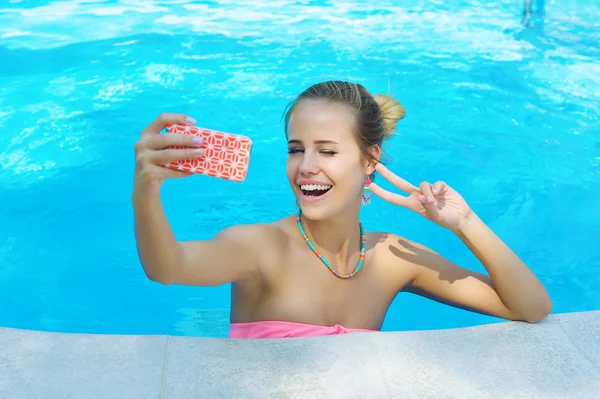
[[306, 290]]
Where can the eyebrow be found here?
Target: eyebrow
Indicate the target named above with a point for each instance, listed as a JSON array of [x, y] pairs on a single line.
[[316, 142]]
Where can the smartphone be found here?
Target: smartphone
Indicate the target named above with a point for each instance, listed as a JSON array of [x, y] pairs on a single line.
[[226, 155]]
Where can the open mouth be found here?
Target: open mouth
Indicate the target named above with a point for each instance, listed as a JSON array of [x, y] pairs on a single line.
[[314, 190]]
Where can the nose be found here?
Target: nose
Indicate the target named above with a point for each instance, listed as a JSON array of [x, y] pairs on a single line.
[[308, 165]]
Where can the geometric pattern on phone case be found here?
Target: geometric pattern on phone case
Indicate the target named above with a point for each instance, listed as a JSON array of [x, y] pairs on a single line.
[[226, 155]]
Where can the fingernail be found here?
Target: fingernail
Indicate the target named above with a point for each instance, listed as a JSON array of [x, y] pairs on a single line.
[[198, 152], [190, 120], [434, 190], [429, 198], [422, 200], [197, 140]]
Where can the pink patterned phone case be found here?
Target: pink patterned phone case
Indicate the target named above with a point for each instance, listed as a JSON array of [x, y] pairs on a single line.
[[226, 155]]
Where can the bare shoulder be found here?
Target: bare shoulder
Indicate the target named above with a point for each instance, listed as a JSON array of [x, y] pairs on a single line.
[[265, 233], [399, 246], [398, 252], [266, 243], [264, 240], [274, 234]]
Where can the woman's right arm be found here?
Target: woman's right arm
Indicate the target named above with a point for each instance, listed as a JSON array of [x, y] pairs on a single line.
[[227, 257]]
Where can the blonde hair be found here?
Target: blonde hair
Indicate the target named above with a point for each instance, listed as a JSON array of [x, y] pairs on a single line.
[[391, 112], [376, 116]]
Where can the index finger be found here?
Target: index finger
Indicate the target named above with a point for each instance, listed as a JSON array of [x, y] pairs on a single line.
[[390, 197], [165, 119], [394, 179]]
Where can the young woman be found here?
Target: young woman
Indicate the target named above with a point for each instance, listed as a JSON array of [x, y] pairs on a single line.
[[317, 272]]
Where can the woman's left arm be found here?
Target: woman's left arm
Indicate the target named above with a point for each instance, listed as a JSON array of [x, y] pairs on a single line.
[[510, 291], [518, 288]]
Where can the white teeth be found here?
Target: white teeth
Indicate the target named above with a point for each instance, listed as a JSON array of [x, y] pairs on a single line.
[[315, 187]]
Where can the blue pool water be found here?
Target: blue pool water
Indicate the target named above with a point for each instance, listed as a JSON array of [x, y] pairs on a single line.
[[507, 114]]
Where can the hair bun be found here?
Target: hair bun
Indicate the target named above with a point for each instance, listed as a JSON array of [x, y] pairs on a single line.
[[391, 112]]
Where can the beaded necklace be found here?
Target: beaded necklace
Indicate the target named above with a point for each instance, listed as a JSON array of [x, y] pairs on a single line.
[[324, 260]]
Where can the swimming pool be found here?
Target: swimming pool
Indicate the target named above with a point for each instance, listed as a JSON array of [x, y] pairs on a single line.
[[506, 114]]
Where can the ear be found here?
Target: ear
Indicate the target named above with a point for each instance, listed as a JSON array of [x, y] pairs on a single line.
[[370, 164]]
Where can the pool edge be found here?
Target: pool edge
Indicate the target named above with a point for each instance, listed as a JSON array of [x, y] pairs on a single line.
[[558, 357]]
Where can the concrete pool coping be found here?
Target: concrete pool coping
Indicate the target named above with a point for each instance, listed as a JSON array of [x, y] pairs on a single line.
[[558, 357]]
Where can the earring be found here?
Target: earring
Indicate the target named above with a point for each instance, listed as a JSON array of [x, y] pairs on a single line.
[[366, 194]]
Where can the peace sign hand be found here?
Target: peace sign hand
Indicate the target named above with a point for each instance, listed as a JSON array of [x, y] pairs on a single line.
[[436, 202]]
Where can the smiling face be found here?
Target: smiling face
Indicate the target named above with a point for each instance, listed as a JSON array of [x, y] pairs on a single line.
[[325, 166]]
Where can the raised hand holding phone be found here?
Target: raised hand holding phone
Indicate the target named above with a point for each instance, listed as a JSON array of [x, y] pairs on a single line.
[[226, 155], [153, 150]]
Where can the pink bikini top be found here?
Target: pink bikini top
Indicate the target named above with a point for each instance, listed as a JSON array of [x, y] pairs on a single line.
[[286, 329]]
